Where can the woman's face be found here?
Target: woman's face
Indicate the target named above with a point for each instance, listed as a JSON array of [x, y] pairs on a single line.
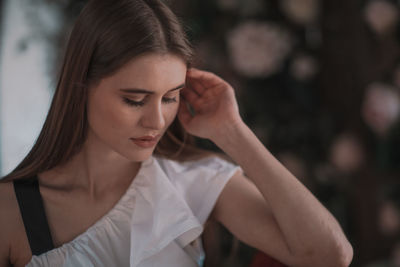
[[117, 111]]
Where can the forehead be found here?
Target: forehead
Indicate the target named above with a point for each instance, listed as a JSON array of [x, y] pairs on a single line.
[[154, 72]]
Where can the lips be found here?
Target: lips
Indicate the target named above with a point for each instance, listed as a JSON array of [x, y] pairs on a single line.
[[146, 141], [147, 138]]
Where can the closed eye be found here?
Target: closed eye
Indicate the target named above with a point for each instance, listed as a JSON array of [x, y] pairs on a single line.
[[141, 103]]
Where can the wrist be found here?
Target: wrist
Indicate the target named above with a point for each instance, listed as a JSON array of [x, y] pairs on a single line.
[[230, 134]]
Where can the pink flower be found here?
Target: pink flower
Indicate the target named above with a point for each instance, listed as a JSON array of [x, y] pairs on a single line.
[[381, 107], [381, 15], [389, 219], [346, 153], [303, 67], [301, 11], [257, 49]]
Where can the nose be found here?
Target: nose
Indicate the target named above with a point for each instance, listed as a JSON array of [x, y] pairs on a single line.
[[154, 117]]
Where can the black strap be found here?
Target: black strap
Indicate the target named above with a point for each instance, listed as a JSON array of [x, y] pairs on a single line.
[[33, 214]]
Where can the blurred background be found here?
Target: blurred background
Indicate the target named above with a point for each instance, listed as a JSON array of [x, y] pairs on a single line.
[[317, 81]]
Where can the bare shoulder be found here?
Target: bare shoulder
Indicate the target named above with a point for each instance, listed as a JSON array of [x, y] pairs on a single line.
[[11, 228]]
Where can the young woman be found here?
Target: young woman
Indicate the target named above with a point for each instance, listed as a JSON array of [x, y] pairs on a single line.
[[114, 178]]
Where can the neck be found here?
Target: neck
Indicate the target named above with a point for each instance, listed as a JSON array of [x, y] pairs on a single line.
[[94, 171]]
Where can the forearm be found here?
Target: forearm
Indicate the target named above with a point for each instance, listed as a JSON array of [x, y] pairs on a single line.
[[311, 232]]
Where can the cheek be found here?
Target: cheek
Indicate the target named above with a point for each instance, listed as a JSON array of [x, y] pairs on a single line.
[[120, 118], [110, 117]]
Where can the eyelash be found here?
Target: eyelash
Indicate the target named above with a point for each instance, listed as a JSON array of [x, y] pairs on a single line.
[[141, 103]]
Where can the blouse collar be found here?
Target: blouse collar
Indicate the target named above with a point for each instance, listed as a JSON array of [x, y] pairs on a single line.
[[160, 215]]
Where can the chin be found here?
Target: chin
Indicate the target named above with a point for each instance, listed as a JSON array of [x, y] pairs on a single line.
[[139, 156]]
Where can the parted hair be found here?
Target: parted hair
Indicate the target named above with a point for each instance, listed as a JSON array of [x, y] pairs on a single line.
[[106, 36]]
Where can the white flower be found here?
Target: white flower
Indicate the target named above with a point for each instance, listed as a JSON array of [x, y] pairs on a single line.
[[381, 15], [301, 11], [346, 153], [257, 49], [381, 107], [303, 67]]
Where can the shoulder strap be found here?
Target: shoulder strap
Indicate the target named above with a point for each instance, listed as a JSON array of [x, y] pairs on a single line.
[[33, 214]]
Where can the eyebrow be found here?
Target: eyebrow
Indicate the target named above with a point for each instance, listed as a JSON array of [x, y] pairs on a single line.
[[143, 91]]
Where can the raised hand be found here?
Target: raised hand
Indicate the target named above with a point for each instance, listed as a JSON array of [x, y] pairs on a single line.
[[214, 104]]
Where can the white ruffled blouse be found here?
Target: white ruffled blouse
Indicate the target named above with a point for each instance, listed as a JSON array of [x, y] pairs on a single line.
[[157, 222]]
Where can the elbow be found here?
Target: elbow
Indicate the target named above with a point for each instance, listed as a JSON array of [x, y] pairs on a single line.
[[339, 256], [345, 254]]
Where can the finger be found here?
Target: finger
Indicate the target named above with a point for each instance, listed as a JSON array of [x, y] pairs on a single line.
[[195, 85], [189, 95], [207, 79], [183, 112]]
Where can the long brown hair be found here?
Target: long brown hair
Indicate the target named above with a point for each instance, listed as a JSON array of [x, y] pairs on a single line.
[[106, 35]]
